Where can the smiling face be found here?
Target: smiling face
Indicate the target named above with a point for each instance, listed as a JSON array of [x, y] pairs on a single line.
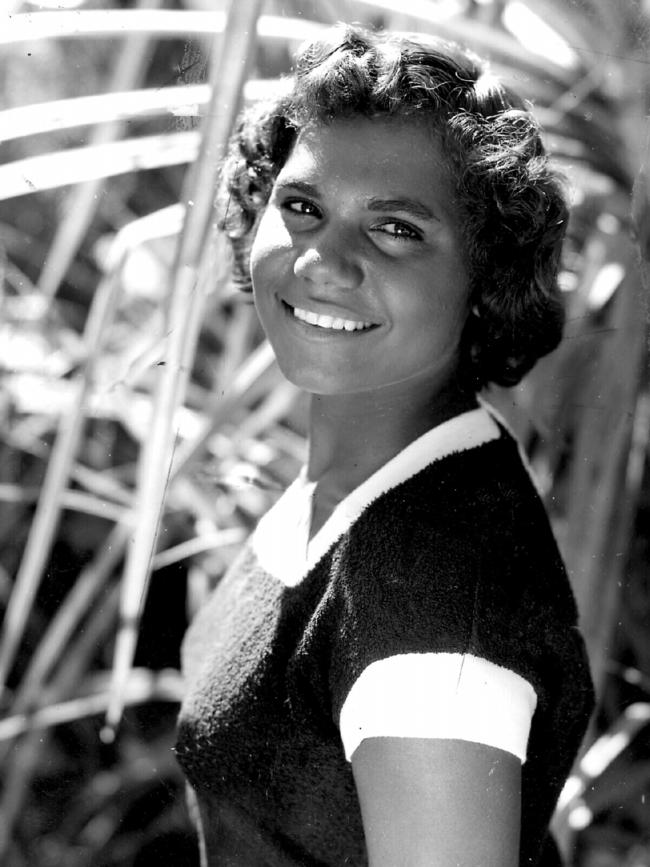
[[358, 269]]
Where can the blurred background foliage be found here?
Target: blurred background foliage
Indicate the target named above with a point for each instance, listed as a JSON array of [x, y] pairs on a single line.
[[144, 426]]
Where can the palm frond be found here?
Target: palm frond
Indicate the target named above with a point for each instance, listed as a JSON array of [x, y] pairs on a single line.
[[76, 165], [169, 23]]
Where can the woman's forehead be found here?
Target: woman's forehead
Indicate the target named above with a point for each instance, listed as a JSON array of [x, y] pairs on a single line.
[[374, 139], [387, 152]]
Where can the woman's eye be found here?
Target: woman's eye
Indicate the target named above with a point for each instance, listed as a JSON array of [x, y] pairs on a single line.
[[301, 208], [400, 231]]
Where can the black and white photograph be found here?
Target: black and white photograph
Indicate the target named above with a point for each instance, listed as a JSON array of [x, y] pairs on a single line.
[[325, 433]]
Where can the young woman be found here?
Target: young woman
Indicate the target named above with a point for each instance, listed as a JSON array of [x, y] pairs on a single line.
[[390, 674]]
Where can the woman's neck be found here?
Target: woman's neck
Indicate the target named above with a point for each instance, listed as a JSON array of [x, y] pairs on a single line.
[[353, 435]]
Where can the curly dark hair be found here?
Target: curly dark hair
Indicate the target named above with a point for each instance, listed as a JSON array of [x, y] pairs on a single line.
[[510, 202]]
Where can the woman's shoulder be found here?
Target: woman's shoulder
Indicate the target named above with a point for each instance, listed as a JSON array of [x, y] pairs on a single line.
[[467, 532], [470, 497]]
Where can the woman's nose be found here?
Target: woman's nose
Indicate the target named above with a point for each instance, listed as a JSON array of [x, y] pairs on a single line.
[[329, 265]]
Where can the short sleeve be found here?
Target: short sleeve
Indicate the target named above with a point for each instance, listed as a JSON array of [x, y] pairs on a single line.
[[442, 626], [452, 696]]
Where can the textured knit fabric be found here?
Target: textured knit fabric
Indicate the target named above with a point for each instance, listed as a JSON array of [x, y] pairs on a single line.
[[456, 558]]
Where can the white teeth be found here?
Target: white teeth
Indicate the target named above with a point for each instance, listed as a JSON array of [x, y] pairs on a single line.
[[324, 321]]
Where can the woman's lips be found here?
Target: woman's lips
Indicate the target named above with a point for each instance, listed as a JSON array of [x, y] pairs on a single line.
[[327, 321]]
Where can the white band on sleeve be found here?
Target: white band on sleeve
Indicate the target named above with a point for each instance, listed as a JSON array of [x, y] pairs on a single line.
[[439, 695]]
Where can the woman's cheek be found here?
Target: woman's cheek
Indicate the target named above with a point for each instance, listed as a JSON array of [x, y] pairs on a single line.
[[270, 259]]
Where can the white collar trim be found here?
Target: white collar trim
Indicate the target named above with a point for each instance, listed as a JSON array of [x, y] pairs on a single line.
[[281, 540]]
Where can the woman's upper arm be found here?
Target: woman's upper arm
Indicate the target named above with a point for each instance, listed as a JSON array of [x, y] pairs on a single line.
[[438, 802]]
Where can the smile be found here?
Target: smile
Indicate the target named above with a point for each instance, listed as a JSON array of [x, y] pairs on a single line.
[[329, 322]]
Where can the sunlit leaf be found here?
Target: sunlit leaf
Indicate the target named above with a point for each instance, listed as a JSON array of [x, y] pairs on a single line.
[[75, 165], [31, 26], [180, 101]]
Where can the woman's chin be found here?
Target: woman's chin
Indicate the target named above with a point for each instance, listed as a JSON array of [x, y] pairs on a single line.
[[316, 383]]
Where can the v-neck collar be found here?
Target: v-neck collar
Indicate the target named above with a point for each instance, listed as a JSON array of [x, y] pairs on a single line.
[[281, 541]]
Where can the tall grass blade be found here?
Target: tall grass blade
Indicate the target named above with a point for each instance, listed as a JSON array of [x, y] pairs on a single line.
[[102, 23], [571, 22], [75, 165], [251, 380], [26, 754], [227, 78], [43, 117], [41, 535], [130, 64], [274, 408], [238, 338], [579, 798], [248, 381], [69, 615], [44, 525], [76, 501], [169, 23], [142, 686], [181, 101], [198, 545]]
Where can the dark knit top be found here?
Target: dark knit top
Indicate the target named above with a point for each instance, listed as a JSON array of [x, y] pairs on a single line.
[[458, 557]]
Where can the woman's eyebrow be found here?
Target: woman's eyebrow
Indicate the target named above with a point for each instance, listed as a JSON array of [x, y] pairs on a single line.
[[410, 206], [300, 187]]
